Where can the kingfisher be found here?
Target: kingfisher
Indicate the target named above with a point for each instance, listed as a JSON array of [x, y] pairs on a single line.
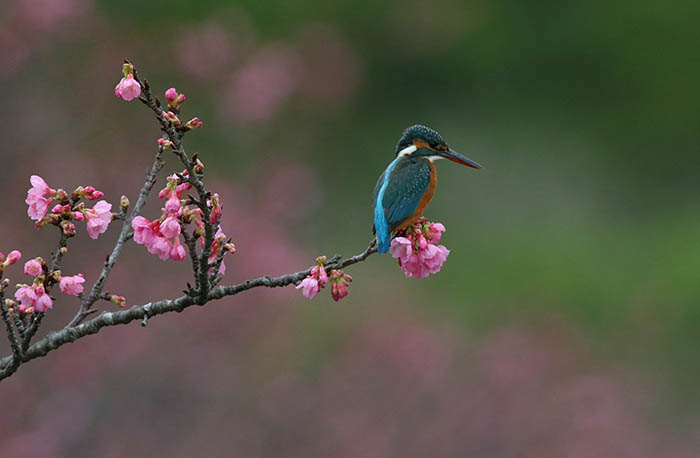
[[408, 183]]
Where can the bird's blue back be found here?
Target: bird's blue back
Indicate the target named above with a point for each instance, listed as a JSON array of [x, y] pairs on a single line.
[[397, 195]]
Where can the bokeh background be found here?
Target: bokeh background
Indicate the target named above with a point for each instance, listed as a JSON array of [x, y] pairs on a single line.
[[565, 323]]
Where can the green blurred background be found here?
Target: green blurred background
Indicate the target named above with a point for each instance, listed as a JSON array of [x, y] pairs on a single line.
[[575, 253]]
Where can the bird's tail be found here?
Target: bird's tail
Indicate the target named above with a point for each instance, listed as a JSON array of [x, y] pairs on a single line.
[[382, 230], [383, 241]]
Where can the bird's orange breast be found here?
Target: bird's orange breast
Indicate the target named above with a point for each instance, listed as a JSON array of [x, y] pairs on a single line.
[[424, 201]]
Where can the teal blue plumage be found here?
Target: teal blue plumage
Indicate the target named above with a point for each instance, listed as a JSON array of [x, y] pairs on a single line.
[[401, 191]]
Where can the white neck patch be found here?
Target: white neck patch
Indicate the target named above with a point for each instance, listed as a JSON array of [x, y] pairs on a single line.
[[407, 151]]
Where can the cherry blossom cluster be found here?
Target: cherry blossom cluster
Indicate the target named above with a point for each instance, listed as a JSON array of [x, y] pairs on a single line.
[[67, 209], [36, 296], [418, 251], [162, 236], [317, 279]]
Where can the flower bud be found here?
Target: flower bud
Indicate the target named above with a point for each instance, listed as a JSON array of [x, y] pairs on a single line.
[[170, 95], [62, 196], [172, 118], [119, 300], [10, 304], [165, 144], [198, 167], [124, 203], [193, 123], [13, 257], [68, 228]]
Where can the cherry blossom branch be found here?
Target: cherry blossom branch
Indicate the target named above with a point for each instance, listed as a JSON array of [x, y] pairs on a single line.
[[36, 317], [175, 131], [54, 340], [125, 234], [16, 357]]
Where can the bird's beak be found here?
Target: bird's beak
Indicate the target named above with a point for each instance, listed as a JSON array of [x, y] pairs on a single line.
[[454, 156]]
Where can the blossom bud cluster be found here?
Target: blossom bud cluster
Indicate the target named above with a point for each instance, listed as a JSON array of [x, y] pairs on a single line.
[[162, 236], [339, 284], [317, 279], [40, 196], [174, 99], [35, 297], [418, 252]]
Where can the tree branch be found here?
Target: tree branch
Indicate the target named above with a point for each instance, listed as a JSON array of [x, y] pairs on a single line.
[[70, 334]]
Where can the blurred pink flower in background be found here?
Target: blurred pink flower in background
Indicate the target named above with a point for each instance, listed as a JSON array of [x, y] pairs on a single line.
[[44, 15], [261, 86], [205, 51], [332, 69], [29, 24]]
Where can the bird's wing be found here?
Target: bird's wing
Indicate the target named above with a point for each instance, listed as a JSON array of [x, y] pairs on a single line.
[[408, 181]]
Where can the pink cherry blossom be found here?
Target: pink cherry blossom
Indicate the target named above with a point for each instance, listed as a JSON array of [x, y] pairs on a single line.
[[72, 285], [436, 230], [433, 259], [160, 247], [414, 268], [309, 287], [26, 296], [37, 198], [177, 252], [43, 301], [128, 88], [98, 218], [319, 273], [401, 248], [143, 233], [170, 227], [32, 267], [172, 205]]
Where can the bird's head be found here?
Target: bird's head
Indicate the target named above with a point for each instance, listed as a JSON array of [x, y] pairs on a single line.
[[421, 141]]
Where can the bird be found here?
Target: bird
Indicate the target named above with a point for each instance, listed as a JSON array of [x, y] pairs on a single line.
[[408, 183]]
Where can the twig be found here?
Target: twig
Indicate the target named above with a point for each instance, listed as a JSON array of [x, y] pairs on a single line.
[[16, 357], [36, 317], [175, 136], [126, 233]]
